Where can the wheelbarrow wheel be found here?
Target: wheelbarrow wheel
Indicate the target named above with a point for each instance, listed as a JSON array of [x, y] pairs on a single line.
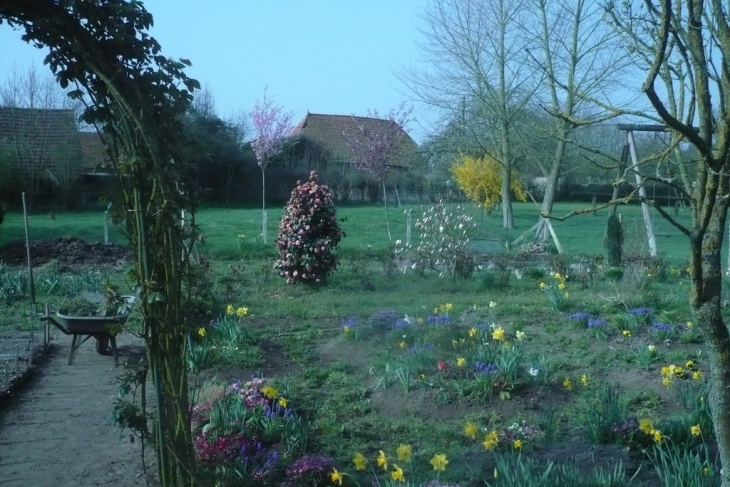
[[102, 345]]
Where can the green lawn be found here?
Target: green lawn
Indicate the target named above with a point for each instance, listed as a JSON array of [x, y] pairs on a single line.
[[365, 226]]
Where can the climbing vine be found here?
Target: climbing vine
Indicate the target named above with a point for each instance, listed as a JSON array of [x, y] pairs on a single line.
[[102, 52]]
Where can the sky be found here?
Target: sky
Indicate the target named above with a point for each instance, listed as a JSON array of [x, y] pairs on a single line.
[[322, 56]]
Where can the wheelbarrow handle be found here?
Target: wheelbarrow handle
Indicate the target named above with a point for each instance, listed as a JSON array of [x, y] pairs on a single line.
[[56, 324]]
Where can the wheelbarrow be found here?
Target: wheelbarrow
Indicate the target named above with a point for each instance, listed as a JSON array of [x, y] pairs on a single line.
[[102, 328]]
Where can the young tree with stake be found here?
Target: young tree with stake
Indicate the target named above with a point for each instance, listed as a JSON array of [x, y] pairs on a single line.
[[374, 146], [272, 125]]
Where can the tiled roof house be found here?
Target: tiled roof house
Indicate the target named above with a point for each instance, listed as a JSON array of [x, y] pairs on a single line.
[[329, 130], [41, 140]]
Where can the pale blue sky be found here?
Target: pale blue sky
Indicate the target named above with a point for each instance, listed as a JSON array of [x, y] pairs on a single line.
[[325, 56]]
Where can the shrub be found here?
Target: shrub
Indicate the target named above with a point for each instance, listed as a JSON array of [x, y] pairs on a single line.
[[309, 234], [614, 240], [444, 242]]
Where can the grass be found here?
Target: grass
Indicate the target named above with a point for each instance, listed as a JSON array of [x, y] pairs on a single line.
[[364, 225], [375, 387]]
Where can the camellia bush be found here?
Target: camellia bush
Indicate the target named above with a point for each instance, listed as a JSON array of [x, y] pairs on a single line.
[[309, 234]]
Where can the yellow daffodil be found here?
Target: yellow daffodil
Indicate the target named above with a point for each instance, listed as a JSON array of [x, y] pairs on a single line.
[[402, 345], [496, 473], [695, 430], [498, 333], [382, 460], [557, 276], [568, 384], [230, 310], [269, 392], [397, 474], [626, 333], [584, 380], [336, 476], [283, 402], [470, 430], [439, 461], [473, 332], [422, 376], [697, 375], [646, 425], [360, 461], [491, 441], [448, 307], [566, 295], [667, 381], [543, 285], [419, 321], [561, 286], [346, 330], [665, 371], [690, 365], [201, 332], [460, 361], [679, 372], [657, 435], [706, 471], [520, 335], [242, 311], [517, 444], [689, 324], [403, 452]]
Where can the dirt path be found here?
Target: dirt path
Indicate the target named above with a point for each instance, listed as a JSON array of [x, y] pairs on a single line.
[[58, 430]]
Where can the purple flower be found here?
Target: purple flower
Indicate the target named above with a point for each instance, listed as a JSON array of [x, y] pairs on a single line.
[[308, 465], [438, 319], [350, 322], [484, 369], [401, 323], [596, 322], [661, 327]]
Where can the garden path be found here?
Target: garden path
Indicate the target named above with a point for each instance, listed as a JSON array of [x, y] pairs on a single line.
[[58, 430]]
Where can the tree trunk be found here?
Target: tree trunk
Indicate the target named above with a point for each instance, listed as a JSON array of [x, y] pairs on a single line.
[[507, 218], [551, 187], [706, 274], [263, 203], [387, 218]]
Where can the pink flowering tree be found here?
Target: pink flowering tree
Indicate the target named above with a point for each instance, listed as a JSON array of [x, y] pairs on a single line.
[[271, 125], [375, 143]]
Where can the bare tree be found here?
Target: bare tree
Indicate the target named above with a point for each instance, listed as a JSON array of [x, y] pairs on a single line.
[[580, 55], [474, 51], [40, 121]]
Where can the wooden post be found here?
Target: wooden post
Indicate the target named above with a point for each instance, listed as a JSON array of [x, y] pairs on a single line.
[[17, 356], [106, 227], [642, 192], [27, 248], [408, 227]]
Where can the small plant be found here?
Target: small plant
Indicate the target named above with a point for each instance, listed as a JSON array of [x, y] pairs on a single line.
[[646, 355], [556, 291], [600, 416], [309, 234]]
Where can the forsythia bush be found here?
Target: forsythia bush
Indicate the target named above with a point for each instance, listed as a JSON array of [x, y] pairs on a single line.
[[480, 178], [444, 242], [309, 234]]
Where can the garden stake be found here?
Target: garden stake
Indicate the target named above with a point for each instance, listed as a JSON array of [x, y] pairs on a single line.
[[27, 248], [17, 357]]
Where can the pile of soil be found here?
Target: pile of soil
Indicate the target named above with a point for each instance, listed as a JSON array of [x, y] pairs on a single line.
[[67, 251]]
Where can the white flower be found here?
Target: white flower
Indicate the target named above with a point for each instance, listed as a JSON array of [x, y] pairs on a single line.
[[398, 242], [533, 371], [492, 304]]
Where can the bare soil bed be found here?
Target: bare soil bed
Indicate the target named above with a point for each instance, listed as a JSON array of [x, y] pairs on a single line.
[[67, 251]]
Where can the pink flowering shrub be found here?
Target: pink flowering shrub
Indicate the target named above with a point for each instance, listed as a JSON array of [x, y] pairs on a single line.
[[309, 234]]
